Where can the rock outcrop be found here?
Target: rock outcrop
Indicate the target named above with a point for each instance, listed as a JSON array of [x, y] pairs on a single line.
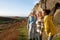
[[48, 4]]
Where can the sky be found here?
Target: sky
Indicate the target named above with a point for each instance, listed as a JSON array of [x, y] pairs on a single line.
[[16, 7]]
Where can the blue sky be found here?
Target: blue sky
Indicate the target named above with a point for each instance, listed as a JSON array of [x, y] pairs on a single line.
[[16, 7]]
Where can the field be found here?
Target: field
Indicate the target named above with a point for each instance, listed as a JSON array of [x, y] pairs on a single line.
[[10, 29], [17, 30]]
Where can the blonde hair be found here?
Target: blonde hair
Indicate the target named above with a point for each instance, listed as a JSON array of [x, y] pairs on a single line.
[[32, 13], [39, 14]]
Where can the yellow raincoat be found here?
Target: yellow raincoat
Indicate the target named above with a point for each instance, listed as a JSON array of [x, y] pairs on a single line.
[[49, 26]]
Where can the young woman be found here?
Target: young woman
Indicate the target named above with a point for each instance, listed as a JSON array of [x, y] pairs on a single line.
[[48, 24], [39, 25], [32, 25]]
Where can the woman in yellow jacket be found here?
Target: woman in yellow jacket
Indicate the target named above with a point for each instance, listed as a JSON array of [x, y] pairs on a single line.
[[48, 25]]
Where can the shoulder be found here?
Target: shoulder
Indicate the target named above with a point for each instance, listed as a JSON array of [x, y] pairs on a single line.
[[30, 17], [46, 17]]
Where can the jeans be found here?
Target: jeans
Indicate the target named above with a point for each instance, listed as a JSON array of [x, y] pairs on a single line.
[[32, 30], [38, 36]]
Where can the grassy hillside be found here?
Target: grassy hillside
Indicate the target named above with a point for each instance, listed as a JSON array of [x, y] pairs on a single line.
[[18, 31], [8, 30]]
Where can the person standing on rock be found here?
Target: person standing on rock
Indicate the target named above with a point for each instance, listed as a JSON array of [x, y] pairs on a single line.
[[31, 25], [39, 25], [49, 27]]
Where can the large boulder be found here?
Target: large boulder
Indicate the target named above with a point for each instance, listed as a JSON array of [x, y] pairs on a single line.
[[51, 3], [57, 16]]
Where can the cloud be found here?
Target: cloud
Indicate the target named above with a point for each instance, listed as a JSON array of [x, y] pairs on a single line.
[[35, 1]]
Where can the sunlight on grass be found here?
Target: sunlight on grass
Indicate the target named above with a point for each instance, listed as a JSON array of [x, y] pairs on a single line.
[[23, 33], [57, 38]]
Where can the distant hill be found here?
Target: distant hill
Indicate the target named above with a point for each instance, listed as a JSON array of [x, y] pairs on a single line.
[[6, 18], [11, 19]]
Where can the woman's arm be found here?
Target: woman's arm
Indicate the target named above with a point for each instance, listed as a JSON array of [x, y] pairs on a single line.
[[28, 23]]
